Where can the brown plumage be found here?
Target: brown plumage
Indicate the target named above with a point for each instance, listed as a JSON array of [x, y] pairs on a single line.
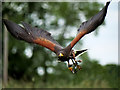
[[43, 38]]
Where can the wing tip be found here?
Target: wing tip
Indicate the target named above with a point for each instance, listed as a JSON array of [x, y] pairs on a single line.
[[108, 2]]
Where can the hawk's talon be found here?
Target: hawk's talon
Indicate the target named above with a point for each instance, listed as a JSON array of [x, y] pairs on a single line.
[[79, 67], [79, 60]]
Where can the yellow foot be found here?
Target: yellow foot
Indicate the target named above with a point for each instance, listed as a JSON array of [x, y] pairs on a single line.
[[70, 68]]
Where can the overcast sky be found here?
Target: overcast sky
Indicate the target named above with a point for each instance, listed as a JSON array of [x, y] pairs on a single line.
[[104, 47]]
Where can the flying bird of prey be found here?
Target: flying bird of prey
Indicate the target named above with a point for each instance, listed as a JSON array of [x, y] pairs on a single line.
[[43, 38]]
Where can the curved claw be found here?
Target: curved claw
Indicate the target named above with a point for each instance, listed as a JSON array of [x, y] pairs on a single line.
[[79, 67], [79, 60]]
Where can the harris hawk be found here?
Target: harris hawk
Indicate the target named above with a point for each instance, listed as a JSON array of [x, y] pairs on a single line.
[[44, 38]]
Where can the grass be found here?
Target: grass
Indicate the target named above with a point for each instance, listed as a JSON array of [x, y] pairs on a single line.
[[61, 84]]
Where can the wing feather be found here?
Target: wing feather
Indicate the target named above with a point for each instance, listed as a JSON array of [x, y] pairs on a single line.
[[32, 35], [89, 26]]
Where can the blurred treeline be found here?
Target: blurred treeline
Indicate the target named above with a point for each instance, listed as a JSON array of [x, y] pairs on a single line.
[[31, 65]]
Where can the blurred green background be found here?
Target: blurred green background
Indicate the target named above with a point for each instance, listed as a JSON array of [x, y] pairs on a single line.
[[33, 66]]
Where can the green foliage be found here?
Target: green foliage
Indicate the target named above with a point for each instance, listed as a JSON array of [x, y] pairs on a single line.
[[59, 19], [61, 84]]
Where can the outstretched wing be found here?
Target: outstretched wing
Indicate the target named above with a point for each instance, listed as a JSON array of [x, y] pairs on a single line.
[[32, 35], [89, 26]]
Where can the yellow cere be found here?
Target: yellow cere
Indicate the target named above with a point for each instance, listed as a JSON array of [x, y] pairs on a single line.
[[61, 54]]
